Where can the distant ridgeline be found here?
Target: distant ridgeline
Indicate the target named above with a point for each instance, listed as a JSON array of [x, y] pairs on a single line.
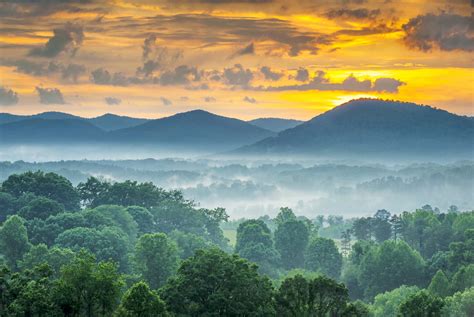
[[359, 128]]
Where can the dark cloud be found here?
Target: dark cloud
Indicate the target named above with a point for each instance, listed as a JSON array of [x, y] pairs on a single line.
[[113, 101], [445, 31], [102, 76], [148, 46], [302, 74], [224, 30], [351, 83], [269, 74], [8, 97], [70, 73], [40, 8], [247, 50], [165, 101], [387, 85], [67, 39], [209, 99], [237, 76], [184, 98], [155, 57], [249, 99], [355, 14], [49, 96], [181, 75]]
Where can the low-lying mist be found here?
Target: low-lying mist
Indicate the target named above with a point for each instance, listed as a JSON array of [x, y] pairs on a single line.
[[252, 188]]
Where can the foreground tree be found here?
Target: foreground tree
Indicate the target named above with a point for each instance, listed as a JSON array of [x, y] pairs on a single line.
[[291, 239], [461, 304], [86, 288], [421, 304], [320, 296], [141, 301], [156, 258], [388, 266], [323, 256], [13, 240], [49, 185], [255, 243], [42, 208], [439, 285], [213, 283], [386, 304]]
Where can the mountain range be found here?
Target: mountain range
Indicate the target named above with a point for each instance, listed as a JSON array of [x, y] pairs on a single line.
[[193, 130], [371, 127], [107, 122], [363, 127]]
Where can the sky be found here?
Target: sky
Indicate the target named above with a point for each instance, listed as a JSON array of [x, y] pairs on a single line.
[[237, 58]]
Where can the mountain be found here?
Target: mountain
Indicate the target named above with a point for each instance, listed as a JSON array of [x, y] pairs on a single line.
[[109, 122], [275, 124], [8, 118], [370, 127], [196, 129], [48, 131]]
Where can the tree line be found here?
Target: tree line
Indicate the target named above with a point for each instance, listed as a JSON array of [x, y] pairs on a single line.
[[133, 249]]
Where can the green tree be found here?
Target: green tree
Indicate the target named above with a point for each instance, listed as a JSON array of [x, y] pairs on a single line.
[[42, 208], [285, 214], [291, 239], [46, 231], [255, 243], [113, 216], [213, 283], [27, 293], [156, 258], [439, 285], [8, 206], [39, 254], [320, 296], [388, 266], [108, 243], [421, 303], [13, 240], [141, 301], [381, 227], [463, 279], [143, 218], [362, 228], [386, 304], [461, 304], [87, 288], [323, 256], [49, 185], [188, 243]]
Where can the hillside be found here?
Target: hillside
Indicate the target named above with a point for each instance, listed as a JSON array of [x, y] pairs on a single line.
[[110, 122], [44, 131], [195, 129], [275, 124], [375, 127]]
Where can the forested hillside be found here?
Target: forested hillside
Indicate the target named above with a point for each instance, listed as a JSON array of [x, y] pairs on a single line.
[[134, 249]]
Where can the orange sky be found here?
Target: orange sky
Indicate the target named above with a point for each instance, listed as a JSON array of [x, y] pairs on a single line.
[[239, 58]]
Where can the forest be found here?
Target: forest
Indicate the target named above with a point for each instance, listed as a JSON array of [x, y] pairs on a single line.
[[128, 248]]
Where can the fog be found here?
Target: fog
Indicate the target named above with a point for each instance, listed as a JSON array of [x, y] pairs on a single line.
[[252, 188]]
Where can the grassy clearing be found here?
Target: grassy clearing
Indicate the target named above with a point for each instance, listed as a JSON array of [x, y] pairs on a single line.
[[231, 234]]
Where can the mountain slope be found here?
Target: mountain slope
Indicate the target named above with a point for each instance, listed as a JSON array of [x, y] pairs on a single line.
[[44, 131], [375, 127], [110, 122], [195, 129], [275, 124], [8, 117]]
